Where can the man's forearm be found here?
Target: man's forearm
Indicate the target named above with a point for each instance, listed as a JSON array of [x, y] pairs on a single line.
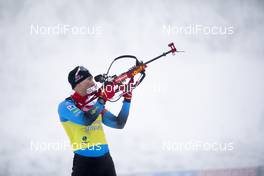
[[119, 121], [123, 114], [93, 113]]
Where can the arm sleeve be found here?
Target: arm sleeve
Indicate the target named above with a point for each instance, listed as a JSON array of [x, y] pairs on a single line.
[[69, 112], [119, 121]]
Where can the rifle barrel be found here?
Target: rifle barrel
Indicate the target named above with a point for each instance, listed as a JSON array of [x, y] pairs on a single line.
[[164, 54]]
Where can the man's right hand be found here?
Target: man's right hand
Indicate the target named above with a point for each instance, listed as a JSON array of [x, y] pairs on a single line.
[[127, 93], [107, 92]]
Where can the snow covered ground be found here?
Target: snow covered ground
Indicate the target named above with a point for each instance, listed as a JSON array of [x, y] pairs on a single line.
[[198, 110]]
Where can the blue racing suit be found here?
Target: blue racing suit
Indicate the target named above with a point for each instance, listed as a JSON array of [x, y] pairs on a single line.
[[85, 129]]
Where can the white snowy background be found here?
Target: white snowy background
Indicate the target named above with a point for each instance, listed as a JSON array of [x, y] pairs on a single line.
[[211, 93]]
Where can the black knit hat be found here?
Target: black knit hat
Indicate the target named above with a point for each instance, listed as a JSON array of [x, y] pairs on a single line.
[[77, 75]]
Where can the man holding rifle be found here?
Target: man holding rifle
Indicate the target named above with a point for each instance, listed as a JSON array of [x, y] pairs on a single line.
[[82, 121]]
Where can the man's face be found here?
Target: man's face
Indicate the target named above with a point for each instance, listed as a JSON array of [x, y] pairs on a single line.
[[87, 83], [84, 86]]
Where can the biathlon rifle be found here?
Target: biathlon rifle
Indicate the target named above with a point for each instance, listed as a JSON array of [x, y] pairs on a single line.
[[138, 68]]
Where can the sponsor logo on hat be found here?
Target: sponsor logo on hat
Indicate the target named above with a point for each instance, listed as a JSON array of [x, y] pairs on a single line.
[[78, 77]]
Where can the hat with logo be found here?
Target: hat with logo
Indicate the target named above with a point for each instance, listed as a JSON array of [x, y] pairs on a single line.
[[77, 75]]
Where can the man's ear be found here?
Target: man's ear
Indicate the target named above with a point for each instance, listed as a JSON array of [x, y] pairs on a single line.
[[77, 87]]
